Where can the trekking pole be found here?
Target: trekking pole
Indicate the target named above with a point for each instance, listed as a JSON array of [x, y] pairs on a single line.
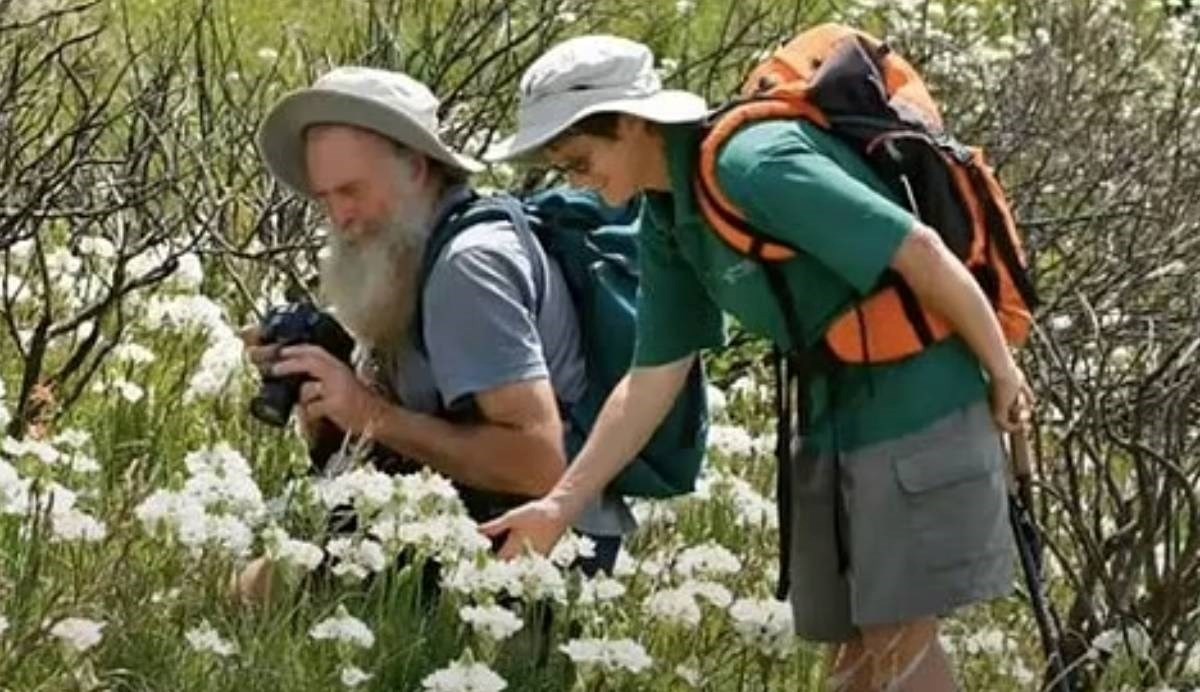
[[1029, 549]]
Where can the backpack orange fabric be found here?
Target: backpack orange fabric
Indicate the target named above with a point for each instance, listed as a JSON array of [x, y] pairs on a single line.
[[853, 85]]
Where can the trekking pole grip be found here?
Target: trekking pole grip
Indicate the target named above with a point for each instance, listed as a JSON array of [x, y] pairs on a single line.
[[1021, 454]]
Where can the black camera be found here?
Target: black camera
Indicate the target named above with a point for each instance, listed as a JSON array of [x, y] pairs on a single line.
[[290, 325]]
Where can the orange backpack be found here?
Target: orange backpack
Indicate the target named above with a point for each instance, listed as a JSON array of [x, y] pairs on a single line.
[[854, 86]]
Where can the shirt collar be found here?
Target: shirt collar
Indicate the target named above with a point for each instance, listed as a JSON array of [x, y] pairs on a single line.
[[681, 147]]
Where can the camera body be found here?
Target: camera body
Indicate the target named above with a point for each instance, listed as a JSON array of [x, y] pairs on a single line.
[[290, 325]]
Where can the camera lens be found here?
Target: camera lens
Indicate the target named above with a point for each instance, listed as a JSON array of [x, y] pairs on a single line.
[[274, 404]]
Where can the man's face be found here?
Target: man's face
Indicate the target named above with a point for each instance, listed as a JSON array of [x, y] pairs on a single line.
[[380, 206], [356, 176]]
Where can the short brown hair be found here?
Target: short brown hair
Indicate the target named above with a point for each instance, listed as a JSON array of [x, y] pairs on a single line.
[[602, 125]]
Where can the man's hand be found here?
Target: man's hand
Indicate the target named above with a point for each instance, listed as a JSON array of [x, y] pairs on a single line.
[[333, 392], [537, 524], [263, 357]]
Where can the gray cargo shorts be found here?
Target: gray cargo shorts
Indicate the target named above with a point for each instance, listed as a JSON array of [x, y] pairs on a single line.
[[924, 526]]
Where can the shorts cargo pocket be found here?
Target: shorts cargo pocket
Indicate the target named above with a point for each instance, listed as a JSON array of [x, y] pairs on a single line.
[[953, 494]]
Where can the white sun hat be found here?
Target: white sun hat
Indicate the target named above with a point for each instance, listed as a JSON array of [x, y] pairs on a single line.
[[587, 75], [389, 103]]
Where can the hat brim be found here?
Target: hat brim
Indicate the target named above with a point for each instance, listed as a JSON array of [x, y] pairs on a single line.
[[281, 137], [668, 107]]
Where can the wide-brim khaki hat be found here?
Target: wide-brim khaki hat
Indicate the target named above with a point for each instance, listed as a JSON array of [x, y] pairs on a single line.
[[587, 75], [391, 104]]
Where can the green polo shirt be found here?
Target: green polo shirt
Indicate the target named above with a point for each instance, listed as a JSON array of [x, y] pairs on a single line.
[[797, 183]]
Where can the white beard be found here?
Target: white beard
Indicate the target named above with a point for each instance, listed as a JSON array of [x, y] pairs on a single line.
[[371, 280]]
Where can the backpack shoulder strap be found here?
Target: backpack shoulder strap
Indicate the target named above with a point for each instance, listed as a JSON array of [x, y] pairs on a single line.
[[722, 214], [470, 212]]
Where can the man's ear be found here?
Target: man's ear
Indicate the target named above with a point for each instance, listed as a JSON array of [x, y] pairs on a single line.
[[413, 166]]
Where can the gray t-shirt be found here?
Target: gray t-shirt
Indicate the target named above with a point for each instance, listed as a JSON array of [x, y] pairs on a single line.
[[495, 315]]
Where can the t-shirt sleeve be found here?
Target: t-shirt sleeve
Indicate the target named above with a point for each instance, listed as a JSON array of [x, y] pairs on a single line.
[[792, 191], [676, 316], [479, 326]]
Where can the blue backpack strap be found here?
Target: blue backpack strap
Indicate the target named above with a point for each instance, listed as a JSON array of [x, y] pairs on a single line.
[[473, 211]]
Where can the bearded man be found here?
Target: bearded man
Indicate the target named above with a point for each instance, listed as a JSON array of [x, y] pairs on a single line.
[[480, 402]]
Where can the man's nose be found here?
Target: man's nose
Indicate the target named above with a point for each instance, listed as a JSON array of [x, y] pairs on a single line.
[[342, 215]]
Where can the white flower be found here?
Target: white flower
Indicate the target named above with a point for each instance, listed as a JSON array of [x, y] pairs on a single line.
[[204, 639], [673, 606], [161, 507], [448, 539], [369, 490], [353, 677], [17, 290], [600, 590], [219, 363], [186, 312], [61, 263], [230, 534], [531, 577], [731, 440], [79, 634], [343, 627], [95, 246], [626, 565], [82, 463], [685, 7], [464, 677], [432, 492], [42, 451], [71, 437], [540, 579], [3, 625], [990, 641], [282, 548], [21, 250], [714, 593], [268, 54], [716, 402], [652, 566], [709, 559], [571, 547], [132, 353], [190, 274], [752, 510], [689, 675], [128, 390], [493, 622], [356, 558], [764, 624], [221, 479], [213, 508], [568, 17], [14, 491], [609, 655], [650, 512], [74, 525], [1135, 640], [1113, 318]]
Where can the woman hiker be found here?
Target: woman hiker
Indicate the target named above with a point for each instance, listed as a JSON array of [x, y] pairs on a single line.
[[897, 509]]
